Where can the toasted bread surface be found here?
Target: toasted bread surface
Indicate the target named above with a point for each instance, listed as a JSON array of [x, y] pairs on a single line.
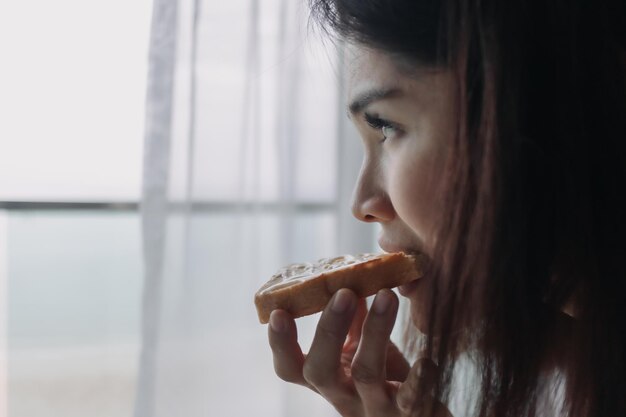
[[303, 289]]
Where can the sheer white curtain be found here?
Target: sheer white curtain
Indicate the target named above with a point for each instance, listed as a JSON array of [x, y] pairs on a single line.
[[249, 164]]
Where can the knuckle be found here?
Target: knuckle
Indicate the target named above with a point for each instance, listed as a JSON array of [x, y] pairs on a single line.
[[364, 374]]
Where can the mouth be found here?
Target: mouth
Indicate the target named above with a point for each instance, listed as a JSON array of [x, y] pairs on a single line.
[[406, 290], [390, 247], [409, 288]]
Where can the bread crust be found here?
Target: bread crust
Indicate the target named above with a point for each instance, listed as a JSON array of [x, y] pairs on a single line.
[[303, 289]]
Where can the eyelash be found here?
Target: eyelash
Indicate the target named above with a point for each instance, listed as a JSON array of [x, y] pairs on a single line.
[[379, 124]]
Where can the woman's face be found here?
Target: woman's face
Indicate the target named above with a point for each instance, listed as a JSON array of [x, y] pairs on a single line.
[[406, 122]]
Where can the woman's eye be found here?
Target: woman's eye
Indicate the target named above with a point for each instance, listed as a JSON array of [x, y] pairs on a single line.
[[388, 129]]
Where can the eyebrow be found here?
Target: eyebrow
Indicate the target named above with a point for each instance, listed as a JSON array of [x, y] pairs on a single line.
[[368, 97]]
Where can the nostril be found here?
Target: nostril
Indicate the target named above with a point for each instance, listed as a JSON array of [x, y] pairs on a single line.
[[371, 204]]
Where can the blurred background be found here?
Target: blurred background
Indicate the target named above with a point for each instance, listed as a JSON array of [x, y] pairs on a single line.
[[159, 160]]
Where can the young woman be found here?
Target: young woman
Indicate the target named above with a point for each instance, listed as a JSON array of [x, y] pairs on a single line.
[[494, 136]]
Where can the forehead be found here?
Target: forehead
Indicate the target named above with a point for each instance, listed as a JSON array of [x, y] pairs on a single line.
[[368, 68]]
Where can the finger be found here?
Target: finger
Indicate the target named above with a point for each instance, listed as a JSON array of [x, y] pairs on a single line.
[[354, 334], [286, 352], [439, 410], [369, 365], [428, 407], [397, 366], [417, 389], [322, 365]]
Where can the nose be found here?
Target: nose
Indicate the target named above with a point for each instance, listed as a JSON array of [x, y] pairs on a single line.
[[371, 202]]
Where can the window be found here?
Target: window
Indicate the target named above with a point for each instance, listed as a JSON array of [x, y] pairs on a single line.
[[72, 109], [71, 271], [72, 104]]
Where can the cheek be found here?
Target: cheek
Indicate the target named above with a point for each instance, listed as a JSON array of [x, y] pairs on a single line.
[[412, 186]]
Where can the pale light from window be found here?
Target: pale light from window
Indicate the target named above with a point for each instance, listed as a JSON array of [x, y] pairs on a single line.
[[72, 79]]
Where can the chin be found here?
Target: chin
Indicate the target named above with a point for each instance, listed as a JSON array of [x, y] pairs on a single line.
[[419, 297], [419, 318]]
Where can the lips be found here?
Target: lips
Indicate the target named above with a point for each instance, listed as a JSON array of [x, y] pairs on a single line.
[[406, 289], [389, 247]]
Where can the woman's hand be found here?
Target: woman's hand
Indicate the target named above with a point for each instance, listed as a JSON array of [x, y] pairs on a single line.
[[352, 363]]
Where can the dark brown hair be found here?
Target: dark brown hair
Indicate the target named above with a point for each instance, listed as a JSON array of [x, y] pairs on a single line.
[[534, 205]]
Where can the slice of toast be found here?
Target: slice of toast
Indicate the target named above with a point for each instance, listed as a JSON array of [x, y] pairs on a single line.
[[303, 289]]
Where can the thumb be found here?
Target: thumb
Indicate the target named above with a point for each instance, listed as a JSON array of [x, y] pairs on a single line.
[[417, 389]]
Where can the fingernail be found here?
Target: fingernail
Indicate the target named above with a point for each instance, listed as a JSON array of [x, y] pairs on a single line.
[[277, 324], [341, 302], [381, 302]]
